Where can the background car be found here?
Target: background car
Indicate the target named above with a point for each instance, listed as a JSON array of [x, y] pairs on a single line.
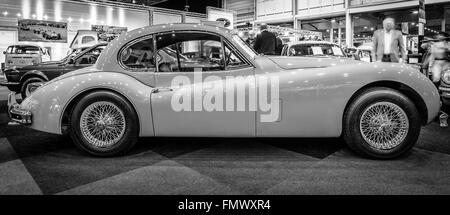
[[378, 108], [83, 40], [312, 48], [23, 55], [26, 79], [364, 53]]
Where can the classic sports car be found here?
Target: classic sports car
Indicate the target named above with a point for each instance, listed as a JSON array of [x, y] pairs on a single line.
[[378, 108], [444, 86], [24, 80], [312, 48]]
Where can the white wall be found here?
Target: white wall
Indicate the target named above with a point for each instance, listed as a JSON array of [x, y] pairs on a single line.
[[273, 9], [319, 7], [165, 18], [78, 16]]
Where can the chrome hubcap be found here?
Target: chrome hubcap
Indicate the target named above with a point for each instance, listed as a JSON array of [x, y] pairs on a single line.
[[384, 125], [102, 124]]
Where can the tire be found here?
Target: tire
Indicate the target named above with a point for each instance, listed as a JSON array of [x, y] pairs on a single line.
[[24, 91], [127, 129], [362, 112]]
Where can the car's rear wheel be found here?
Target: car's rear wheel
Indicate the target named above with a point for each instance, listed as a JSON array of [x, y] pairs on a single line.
[[381, 123], [30, 85], [104, 124]]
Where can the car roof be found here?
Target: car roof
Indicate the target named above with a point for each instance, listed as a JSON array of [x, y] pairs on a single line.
[[24, 45], [310, 42], [365, 48], [177, 27]]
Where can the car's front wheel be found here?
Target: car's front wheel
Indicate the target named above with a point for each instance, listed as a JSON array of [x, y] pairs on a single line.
[[381, 123], [30, 85], [104, 124]]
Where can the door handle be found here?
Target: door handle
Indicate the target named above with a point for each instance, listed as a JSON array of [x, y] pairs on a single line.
[[163, 89]]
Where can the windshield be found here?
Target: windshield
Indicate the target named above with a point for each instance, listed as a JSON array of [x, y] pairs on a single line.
[[245, 46], [24, 50], [315, 50]]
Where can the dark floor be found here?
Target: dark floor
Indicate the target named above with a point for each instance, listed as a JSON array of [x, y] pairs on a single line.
[[32, 162]]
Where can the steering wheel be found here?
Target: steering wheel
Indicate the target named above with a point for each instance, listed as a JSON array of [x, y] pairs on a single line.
[[93, 59]]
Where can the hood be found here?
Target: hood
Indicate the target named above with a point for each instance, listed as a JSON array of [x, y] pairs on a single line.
[[311, 62]]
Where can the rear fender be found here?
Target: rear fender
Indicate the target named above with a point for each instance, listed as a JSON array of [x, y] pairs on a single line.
[[48, 103]]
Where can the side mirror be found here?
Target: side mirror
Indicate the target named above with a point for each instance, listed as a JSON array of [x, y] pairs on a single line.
[[4, 52]]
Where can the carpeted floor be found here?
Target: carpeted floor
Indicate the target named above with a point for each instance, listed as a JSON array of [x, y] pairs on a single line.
[[33, 162]]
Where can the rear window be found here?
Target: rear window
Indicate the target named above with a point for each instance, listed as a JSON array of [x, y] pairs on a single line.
[[87, 39]]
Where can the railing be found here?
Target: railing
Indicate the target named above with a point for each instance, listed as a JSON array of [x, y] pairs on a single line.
[[356, 3]]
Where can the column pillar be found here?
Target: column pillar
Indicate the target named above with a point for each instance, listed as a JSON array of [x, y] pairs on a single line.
[[339, 35], [443, 20], [348, 29], [331, 33]]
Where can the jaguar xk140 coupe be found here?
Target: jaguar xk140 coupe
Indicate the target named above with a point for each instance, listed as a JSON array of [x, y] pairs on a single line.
[[214, 85]]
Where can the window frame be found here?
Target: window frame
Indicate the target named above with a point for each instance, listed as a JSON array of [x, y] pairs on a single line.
[[237, 54], [134, 41], [223, 40]]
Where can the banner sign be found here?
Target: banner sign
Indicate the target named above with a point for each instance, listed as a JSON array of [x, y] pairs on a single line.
[[107, 33], [302, 33], [42, 31]]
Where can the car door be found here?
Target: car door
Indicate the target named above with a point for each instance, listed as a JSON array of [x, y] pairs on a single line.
[[190, 96]]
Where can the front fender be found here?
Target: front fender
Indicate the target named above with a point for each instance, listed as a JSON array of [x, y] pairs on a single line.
[[48, 103], [350, 79], [33, 73], [313, 101]]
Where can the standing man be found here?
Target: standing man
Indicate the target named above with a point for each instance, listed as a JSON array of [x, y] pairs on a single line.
[[265, 41], [251, 38], [278, 45], [388, 43]]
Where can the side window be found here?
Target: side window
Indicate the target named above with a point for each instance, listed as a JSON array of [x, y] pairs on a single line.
[[189, 52], [9, 50], [90, 57], [232, 60], [139, 56]]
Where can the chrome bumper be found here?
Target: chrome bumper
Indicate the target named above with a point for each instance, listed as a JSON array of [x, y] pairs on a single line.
[[17, 114]]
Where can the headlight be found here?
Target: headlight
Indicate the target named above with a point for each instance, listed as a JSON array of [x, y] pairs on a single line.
[[446, 76]]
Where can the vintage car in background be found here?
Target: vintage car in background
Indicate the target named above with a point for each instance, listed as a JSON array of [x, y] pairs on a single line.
[[83, 39], [312, 48], [18, 56], [24, 80], [350, 50], [51, 35], [378, 108], [364, 53], [444, 87]]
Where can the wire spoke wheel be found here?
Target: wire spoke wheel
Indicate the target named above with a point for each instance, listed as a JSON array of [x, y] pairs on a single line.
[[384, 125], [102, 124]]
